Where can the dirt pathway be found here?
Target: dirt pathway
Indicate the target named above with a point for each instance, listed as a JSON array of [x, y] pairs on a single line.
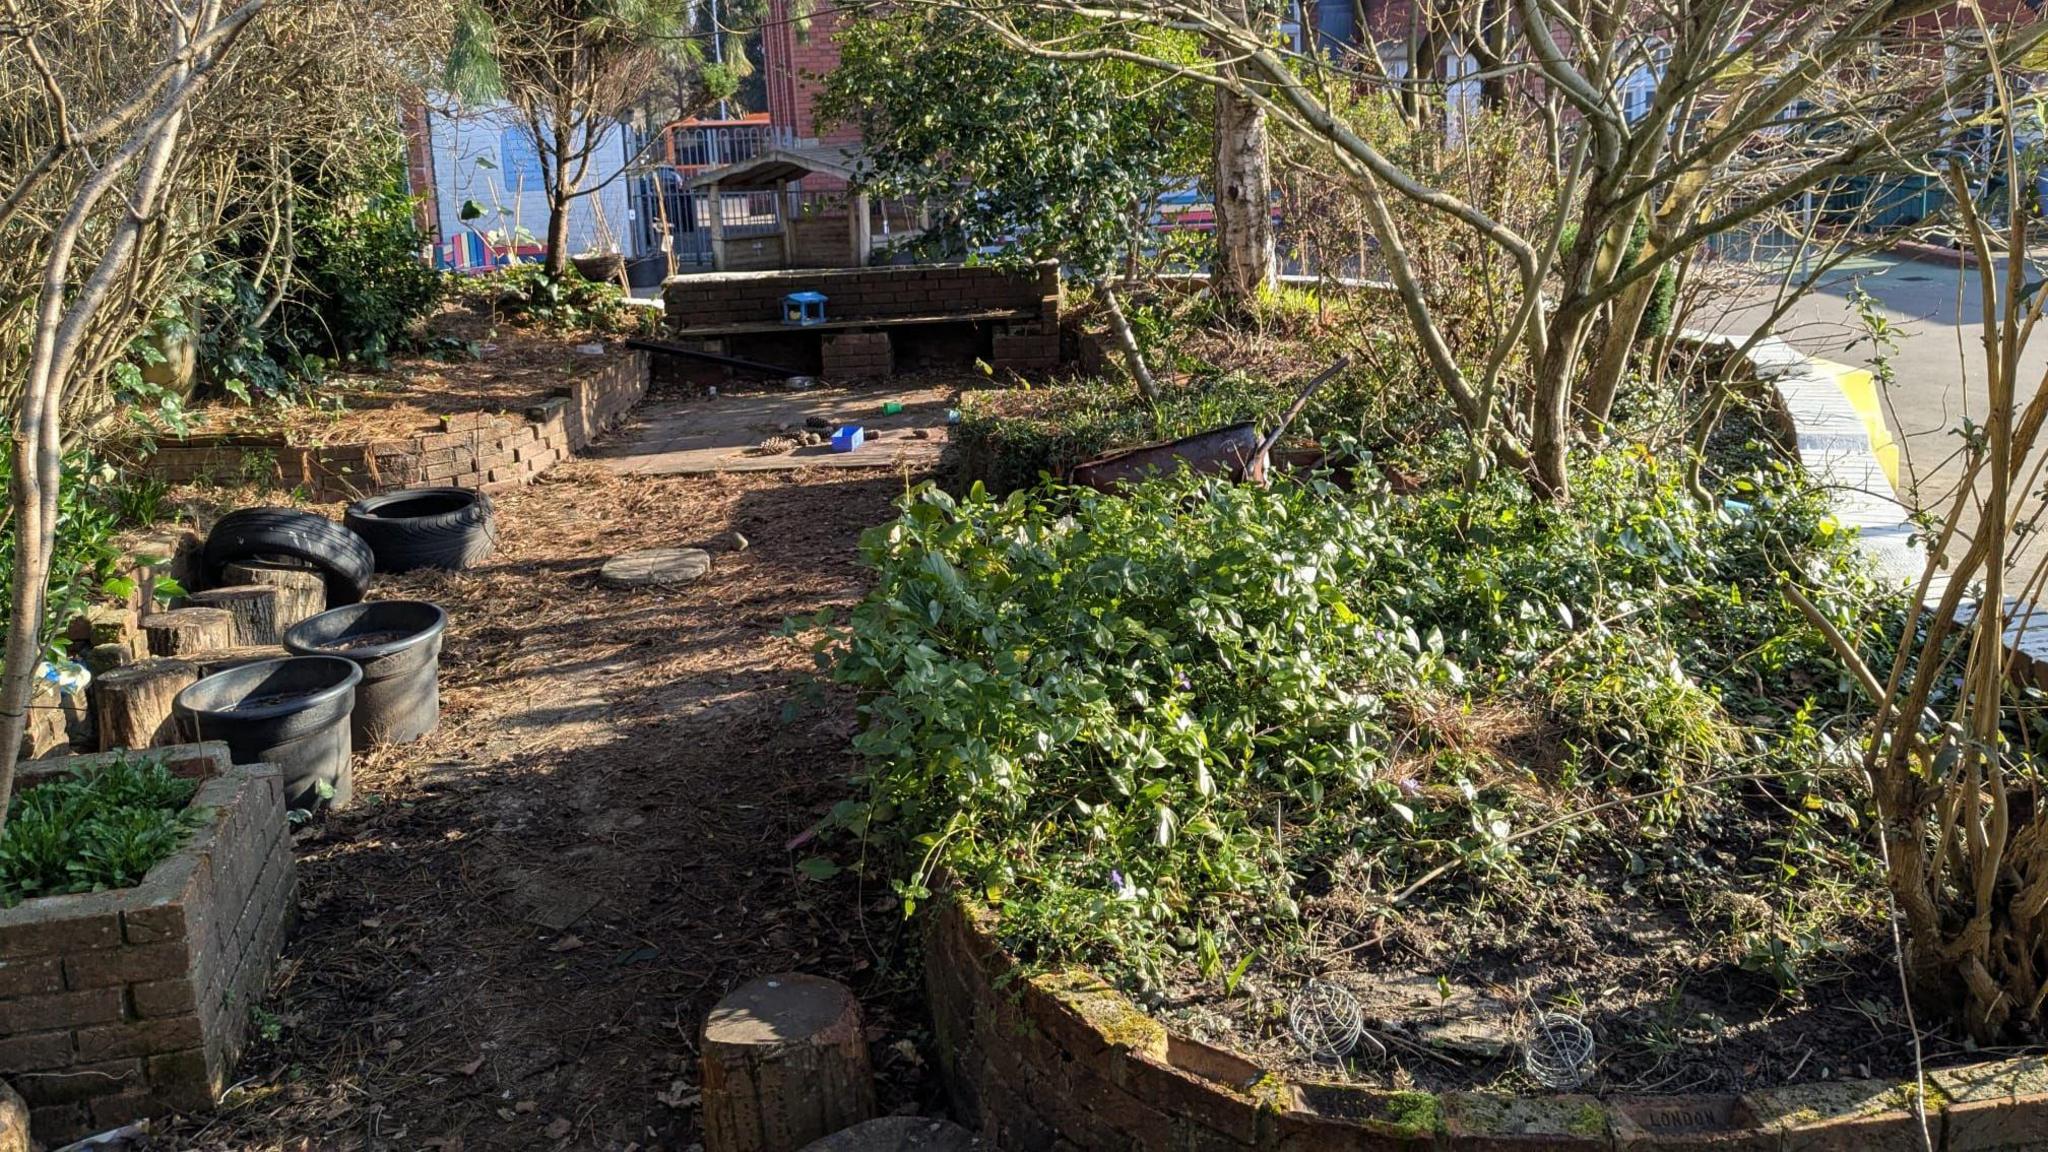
[[512, 939]]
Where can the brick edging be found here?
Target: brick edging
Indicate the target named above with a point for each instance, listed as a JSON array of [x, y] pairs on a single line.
[[134, 1002], [472, 450], [1044, 1060]]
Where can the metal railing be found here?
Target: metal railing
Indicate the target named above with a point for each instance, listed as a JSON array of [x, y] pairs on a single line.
[[701, 146]]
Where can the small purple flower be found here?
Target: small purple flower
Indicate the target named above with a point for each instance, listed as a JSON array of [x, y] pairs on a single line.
[[1409, 786], [1186, 685], [1116, 879]]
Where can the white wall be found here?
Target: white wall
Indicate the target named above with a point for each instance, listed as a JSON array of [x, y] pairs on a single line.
[[509, 177]]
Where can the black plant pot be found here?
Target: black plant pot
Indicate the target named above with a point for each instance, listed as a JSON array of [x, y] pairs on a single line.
[[293, 713], [397, 644]]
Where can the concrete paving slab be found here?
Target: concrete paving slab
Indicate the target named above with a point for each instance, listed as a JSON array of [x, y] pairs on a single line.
[[699, 435]]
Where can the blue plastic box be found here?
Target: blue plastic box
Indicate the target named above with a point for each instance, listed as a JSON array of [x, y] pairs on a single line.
[[849, 437], [802, 308]]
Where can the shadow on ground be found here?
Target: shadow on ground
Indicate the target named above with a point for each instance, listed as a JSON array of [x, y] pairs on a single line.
[[512, 939]]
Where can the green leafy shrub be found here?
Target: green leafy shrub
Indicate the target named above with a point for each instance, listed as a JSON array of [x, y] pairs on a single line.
[[362, 282], [567, 303], [102, 827], [237, 355], [95, 501], [1008, 438], [357, 284], [1135, 723]]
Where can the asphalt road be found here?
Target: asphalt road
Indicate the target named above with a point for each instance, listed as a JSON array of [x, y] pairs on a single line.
[[1938, 363]]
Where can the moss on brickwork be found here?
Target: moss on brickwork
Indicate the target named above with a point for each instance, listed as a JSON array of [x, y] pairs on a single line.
[[1415, 1113], [1270, 1093], [1121, 1023], [1590, 1120], [1904, 1095]]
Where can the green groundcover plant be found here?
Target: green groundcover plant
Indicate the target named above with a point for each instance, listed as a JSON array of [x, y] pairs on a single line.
[[1139, 724], [98, 828]]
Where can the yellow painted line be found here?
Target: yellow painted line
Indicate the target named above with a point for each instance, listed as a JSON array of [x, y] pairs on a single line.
[[1859, 387]]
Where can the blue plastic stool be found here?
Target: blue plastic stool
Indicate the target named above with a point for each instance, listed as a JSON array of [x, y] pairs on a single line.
[[849, 437], [803, 308]]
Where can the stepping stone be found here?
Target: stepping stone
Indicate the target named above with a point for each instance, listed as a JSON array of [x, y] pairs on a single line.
[[655, 566], [898, 1134]]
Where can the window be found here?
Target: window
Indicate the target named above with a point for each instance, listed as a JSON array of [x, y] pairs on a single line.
[[1638, 89]]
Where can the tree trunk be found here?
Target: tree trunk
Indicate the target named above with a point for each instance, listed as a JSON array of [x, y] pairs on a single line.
[[133, 704], [558, 190], [255, 608], [187, 631], [1550, 420], [558, 236], [784, 1062], [1127, 343], [301, 592], [1244, 264], [64, 309], [1617, 351]]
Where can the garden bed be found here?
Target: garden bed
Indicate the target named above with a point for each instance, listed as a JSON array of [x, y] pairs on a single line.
[[1458, 762], [481, 402], [135, 1001], [467, 360], [486, 450], [1049, 1059]]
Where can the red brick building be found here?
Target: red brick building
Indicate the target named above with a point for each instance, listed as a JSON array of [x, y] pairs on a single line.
[[797, 61]]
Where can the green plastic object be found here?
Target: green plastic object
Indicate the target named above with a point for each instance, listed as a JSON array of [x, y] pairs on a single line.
[[892, 407]]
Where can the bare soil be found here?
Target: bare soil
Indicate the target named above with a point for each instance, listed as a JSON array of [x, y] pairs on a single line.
[[511, 939], [485, 364]]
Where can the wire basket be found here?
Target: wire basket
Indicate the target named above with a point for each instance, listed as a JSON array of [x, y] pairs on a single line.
[[1326, 1020], [1558, 1051]]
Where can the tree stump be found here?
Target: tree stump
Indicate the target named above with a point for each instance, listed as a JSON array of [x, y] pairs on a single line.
[[784, 1062], [189, 631], [209, 663], [255, 609], [134, 703], [301, 592], [104, 658]]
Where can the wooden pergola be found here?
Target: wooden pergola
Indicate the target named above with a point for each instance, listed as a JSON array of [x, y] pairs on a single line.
[[778, 170]]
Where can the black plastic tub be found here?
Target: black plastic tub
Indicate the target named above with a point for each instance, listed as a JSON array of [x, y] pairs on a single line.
[[293, 713], [397, 644]]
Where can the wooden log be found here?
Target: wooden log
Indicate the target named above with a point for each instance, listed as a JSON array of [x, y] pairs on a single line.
[[209, 663], [133, 704], [254, 607], [301, 592], [100, 660], [48, 730], [104, 658], [189, 631], [102, 624], [784, 1062]]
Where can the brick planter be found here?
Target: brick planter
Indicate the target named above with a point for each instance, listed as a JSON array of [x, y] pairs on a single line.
[[1044, 1061], [472, 450], [129, 1003]]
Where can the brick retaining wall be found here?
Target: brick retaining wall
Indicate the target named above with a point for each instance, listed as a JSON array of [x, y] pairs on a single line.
[[1062, 1062], [720, 298], [135, 1002], [473, 450], [856, 355]]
